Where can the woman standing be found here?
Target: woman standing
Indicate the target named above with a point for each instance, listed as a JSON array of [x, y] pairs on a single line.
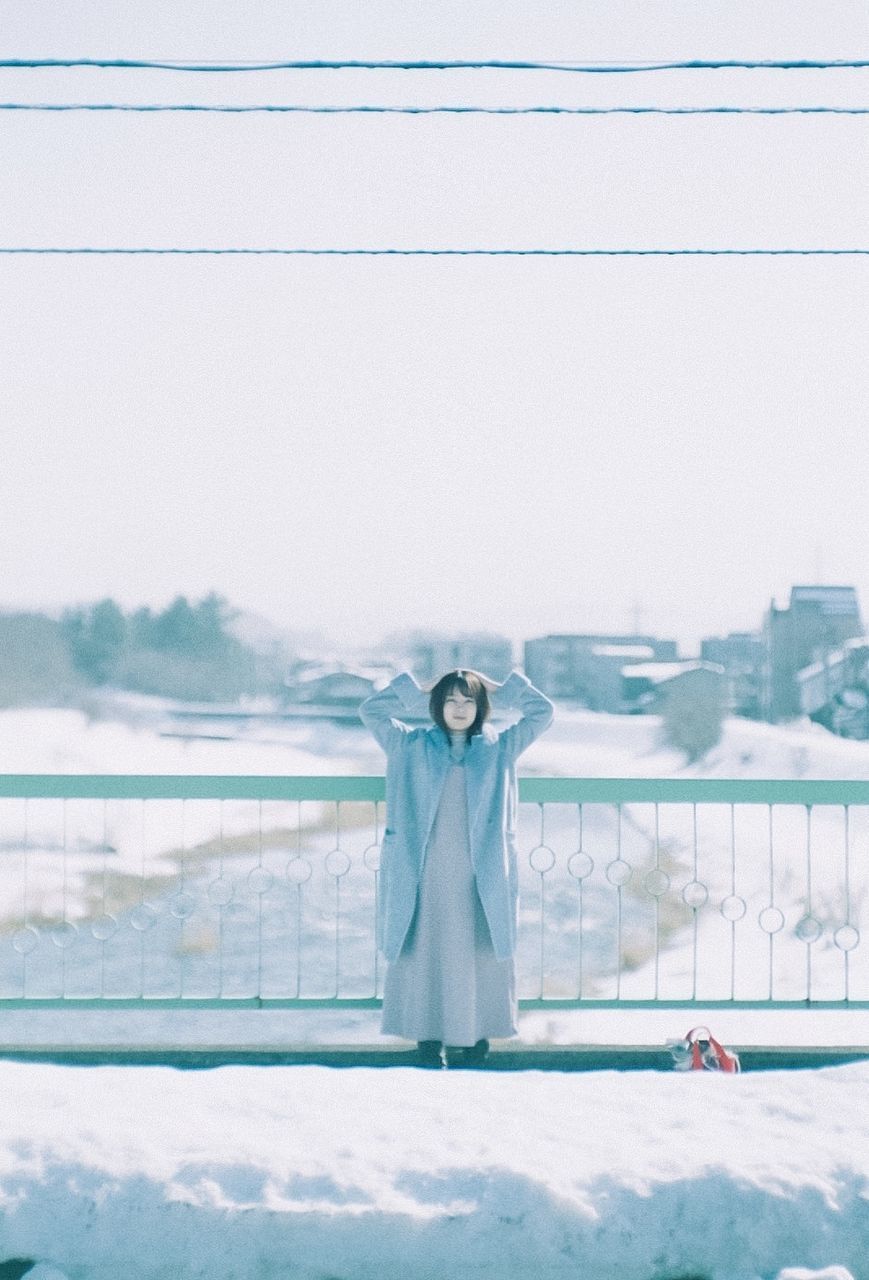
[[448, 879]]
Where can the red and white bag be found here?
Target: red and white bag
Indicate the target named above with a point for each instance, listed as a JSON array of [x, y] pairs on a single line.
[[700, 1051]]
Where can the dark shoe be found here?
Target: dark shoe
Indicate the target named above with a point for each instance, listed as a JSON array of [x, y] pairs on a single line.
[[474, 1056], [430, 1054]]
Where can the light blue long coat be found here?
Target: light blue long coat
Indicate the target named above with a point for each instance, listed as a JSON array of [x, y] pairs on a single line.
[[417, 763]]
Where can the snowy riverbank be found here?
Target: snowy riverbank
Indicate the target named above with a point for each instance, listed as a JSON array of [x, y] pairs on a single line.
[[306, 1173]]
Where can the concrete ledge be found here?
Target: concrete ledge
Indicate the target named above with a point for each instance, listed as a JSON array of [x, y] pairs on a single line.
[[565, 1058]]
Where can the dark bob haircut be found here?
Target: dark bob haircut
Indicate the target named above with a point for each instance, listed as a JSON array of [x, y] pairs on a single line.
[[468, 684]]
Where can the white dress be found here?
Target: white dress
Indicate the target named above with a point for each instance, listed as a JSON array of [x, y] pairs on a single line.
[[447, 983]]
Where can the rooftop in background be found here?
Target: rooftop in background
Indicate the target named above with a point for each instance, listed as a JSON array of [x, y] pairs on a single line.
[[832, 600], [659, 672], [634, 652]]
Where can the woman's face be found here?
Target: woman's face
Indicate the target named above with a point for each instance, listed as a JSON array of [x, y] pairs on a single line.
[[460, 711]]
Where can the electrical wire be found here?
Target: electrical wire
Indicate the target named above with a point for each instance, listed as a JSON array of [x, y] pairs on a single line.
[[497, 64], [426, 111], [440, 253]]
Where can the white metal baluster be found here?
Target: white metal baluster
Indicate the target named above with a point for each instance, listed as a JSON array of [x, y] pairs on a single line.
[[259, 901], [376, 874], [694, 909], [771, 907], [64, 895], [25, 929], [337, 865], [580, 882], [298, 901], [847, 936], [579, 867], [808, 899], [221, 906], [182, 900], [695, 896], [848, 924], [733, 900], [142, 874], [618, 905], [657, 898], [298, 872], [104, 898], [540, 873]]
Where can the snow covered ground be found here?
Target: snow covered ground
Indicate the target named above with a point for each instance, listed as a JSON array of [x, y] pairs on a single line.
[[309, 1173], [579, 743]]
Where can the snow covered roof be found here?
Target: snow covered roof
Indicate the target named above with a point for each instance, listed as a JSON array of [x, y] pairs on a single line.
[[637, 652], [833, 659], [833, 600], [658, 672]]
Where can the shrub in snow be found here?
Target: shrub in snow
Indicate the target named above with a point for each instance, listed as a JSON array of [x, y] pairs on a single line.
[[692, 714]]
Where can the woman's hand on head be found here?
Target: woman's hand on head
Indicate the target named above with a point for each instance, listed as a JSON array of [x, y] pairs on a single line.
[[487, 682]]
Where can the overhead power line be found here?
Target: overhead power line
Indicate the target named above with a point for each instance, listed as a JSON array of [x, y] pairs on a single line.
[[440, 253], [494, 64], [242, 109]]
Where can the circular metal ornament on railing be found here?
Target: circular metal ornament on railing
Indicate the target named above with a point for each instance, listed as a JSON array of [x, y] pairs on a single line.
[[371, 857], [298, 870], [541, 859], [63, 934], [695, 895], [104, 927], [220, 891], [656, 883], [337, 863], [182, 905], [771, 920], [619, 872], [846, 937], [733, 907], [580, 865], [259, 881], [25, 940], [143, 917], [809, 929]]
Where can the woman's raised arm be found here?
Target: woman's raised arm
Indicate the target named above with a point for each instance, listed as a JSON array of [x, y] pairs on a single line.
[[518, 693], [382, 711]]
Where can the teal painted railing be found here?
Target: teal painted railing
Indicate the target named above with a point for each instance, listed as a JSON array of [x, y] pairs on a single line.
[[241, 891]]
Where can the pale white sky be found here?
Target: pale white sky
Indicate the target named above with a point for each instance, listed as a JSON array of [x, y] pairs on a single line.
[[357, 445]]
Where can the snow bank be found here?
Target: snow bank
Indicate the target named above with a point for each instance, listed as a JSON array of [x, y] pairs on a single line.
[[312, 1173], [579, 743], [592, 744], [49, 740]]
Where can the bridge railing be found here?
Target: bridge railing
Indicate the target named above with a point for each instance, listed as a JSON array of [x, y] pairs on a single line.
[[148, 891]]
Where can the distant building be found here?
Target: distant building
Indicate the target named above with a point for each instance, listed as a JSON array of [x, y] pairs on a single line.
[[742, 654], [330, 685], [588, 668], [430, 655], [835, 691], [818, 621], [649, 686]]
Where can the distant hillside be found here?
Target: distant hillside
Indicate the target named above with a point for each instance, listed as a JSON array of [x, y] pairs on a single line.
[[204, 650]]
